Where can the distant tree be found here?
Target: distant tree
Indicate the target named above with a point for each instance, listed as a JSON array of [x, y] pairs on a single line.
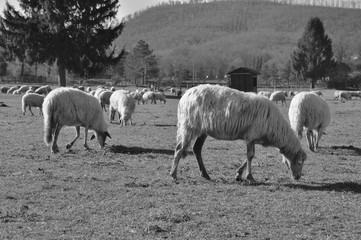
[[141, 63], [77, 34], [340, 76], [313, 57], [3, 66]]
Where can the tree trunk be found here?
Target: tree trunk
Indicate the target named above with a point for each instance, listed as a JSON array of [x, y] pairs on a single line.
[[313, 83], [61, 73]]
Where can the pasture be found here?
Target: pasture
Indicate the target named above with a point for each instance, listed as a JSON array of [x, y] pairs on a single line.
[[125, 192]]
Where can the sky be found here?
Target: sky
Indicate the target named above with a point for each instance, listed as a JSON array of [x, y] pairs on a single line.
[[126, 6]]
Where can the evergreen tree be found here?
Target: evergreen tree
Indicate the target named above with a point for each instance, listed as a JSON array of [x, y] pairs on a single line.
[[141, 63], [76, 34], [312, 58]]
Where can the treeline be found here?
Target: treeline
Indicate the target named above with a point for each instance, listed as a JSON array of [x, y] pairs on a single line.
[[211, 38]]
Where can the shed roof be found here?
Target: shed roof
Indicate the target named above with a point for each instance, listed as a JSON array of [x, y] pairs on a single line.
[[244, 70]]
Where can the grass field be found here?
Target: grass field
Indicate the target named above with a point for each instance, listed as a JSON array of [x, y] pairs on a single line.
[[125, 192]]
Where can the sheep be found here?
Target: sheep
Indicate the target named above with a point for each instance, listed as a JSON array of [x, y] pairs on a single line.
[[23, 89], [172, 90], [265, 94], [16, 92], [278, 96], [112, 89], [138, 96], [72, 107], [104, 97], [4, 89], [342, 95], [30, 91], [309, 111], [228, 114], [32, 100], [43, 90], [123, 103], [88, 89], [12, 89], [98, 91], [160, 96], [318, 92], [291, 94], [149, 95]]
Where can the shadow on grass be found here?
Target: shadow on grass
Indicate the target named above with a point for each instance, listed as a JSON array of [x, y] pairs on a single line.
[[138, 150], [351, 187], [341, 150]]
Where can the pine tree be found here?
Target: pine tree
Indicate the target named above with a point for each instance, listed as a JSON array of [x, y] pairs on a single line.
[[313, 57], [141, 63], [77, 34]]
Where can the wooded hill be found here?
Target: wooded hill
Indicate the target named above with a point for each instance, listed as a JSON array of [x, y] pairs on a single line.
[[211, 37]]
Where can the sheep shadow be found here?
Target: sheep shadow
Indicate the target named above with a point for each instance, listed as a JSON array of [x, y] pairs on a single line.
[[351, 187], [341, 150], [138, 150]]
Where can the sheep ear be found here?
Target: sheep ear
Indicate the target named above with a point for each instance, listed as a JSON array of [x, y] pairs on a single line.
[[92, 137], [107, 135]]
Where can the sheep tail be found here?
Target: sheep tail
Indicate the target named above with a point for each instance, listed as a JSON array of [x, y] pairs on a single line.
[[48, 126]]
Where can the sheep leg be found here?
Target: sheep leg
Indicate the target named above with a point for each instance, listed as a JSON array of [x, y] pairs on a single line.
[[86, 139], [179, 152], [32, 114], [54, 146], [309, 135], [197, 149], [69, 145], [244, 172]]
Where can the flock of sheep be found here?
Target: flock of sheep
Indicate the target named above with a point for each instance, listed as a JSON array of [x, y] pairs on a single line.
[[205, 110]]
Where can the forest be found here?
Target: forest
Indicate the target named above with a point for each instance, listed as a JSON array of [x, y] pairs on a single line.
[[211, 38], [202, 40]]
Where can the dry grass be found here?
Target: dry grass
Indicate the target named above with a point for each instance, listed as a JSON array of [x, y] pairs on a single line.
[[125, 192]]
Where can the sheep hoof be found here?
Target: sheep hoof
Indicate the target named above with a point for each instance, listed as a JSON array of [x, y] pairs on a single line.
[[54, 150], [205, 175], [249, 178]]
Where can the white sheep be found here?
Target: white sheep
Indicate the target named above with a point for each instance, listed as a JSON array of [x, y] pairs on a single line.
[[265, 94], [149, 95], [318, 92], [278, 96], [32, 100], [16, 92], [122, 103], [342, 95], [23, 89], [12, 89], [309, 111], [173, 90], [104, 97], [43, 90], [228, 114], [72, 107], [88, 89], [138, 96]]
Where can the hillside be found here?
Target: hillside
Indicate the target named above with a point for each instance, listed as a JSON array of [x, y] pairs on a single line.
[[214, 36]]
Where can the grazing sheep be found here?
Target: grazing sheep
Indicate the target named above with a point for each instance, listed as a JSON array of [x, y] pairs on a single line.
[[342, 95], [98, 91], [138, 96], [309, 111], [23, 89], [265, 94], [291, 94], [123, 103], [318, 92], [228, 114], [104, 97], [149, 95], [4, 89], [159, 96], [12, 89], [278, 96], [88, 89], [32, 100], [43, 90], [112, 89], [72, 107], [16, 92]]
